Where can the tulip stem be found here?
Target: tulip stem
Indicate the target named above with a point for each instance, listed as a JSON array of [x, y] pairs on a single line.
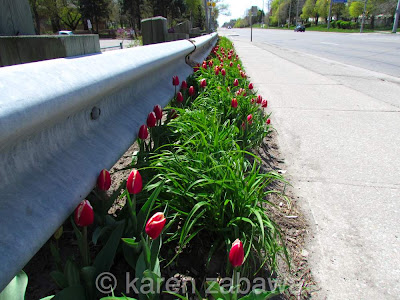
[[235, 284], [132, 210], [85, 249]]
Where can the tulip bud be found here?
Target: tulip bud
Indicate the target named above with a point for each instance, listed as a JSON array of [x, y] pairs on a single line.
[[175, 80], [134, 182], [203, 83], [268, 121], [239, 67], [259, 99], [84, 215], [216, 70], [191, 90], [234, 103], [230, 64], [179, 97], [143, 133], [250, 86], [236, 254], [250, 119], [155, 225], [151, 119], [172, 114], [253, 100], [104, 180], [264, 103], [223, 72], [236, 82], [210, 63], [196, 68], [158, 111], [184, 85], [204, 65]]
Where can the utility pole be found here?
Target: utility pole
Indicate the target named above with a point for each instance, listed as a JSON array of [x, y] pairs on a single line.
[[363, 17], [396, 17], [279, 11], [262, 16], [206, 12], [330, 14]]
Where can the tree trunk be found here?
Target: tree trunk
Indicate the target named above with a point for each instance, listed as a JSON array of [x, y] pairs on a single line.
[[372, 21]]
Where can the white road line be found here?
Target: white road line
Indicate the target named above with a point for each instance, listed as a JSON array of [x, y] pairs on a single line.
[[327, 43]]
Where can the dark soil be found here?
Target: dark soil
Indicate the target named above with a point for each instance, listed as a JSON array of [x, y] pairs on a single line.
[[192, 263]]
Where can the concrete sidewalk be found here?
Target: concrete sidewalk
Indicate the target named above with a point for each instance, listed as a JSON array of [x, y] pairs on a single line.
[[340, 137]]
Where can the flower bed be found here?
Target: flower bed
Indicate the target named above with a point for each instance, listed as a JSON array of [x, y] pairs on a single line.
[[193, 203]]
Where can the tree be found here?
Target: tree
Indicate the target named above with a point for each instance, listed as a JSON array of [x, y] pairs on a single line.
[[356, 9], [309, 11], [94, 10], [322, 8]]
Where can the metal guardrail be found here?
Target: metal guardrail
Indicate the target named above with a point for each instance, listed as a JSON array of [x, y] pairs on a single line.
[[62, 121]]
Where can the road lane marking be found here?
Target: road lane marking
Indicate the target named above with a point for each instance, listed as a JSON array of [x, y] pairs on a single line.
[[327, 43]]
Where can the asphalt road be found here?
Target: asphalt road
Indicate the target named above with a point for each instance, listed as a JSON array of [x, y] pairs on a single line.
[[372, 51], [338, 129]]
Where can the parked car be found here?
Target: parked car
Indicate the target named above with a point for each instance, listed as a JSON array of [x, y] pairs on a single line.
[[65, 32], [300, 28]]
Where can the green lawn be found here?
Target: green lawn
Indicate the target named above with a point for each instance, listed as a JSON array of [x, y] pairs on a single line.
[[324, 28]]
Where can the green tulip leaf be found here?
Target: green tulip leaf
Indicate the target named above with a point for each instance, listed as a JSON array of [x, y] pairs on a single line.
[[258, 294], [71, 272], [16, 288], [105, 258], [59, 278], [76, 292], [217, 291]]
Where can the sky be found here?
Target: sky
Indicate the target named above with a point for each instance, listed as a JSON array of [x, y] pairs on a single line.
[[238, 8]]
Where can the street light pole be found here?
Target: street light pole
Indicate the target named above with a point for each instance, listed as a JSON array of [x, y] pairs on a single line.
[[363, 17], [262, 16], [396, 17], [330, 14]]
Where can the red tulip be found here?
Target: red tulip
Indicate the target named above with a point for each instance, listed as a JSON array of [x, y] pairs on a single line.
[[175, 80], [84, 215], [204, 65], [264, 103], [250, 86], [234, 103], [250, 119], [236, 254], [158, 111], [155, 225], [151, 119], [179, 97], [184, 85], [253, 100], [230, 64], [216, 70], [143, 133], [239, 67], [259, 99], [203, 83], [196, 68], [104, 180], [268, 121], [210, 63], [191, 90], [236, 82], [223, 72], [134, 182], [172, 114]]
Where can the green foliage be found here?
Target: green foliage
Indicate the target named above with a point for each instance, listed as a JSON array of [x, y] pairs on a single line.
[[16, 288], [356, 9], [211, 180]]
